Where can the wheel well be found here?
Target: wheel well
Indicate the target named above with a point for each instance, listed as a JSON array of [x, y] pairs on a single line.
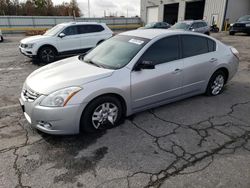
[[100, 42], [47, 45], [119, 97], [225, 70]]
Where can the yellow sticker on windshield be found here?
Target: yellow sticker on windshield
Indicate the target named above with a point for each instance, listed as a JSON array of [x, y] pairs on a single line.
[[135, 41]]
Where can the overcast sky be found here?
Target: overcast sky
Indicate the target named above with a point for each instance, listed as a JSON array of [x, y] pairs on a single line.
[[97, 7]]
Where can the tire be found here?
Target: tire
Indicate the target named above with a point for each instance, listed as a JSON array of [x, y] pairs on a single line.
[[216, 83], [1, 38], [94, 119], [216, 30], [47, 54], [231, 33]]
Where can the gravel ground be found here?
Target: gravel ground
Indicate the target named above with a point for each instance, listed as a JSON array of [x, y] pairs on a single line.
[[198, 142]]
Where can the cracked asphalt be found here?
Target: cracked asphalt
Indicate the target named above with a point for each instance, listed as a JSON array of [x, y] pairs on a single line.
[[198, 142]]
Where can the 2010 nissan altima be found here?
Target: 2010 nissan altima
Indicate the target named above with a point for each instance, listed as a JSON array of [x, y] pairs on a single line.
[[128, 73]]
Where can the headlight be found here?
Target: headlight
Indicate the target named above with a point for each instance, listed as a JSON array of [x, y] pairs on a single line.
[[27, 45], [60, 98], [231, 24]]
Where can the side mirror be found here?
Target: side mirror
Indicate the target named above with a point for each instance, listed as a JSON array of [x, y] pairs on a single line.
[[61, 35], [145, 65]]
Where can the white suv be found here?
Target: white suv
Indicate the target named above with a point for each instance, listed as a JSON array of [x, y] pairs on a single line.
[[64, 39]]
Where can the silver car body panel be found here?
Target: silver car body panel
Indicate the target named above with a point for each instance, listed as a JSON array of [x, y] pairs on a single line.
[[140, 90]]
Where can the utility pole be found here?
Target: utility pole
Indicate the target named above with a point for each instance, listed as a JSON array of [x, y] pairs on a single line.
[[89, 8]]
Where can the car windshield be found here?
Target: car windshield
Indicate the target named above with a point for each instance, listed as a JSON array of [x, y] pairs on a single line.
[[116, 52], [150, 25], [181, 26], [244, 18], [53, 30]]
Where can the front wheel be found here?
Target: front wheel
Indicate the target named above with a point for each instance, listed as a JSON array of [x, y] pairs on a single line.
[[216, 83], [47, 55], [101, 114], [231, 33]]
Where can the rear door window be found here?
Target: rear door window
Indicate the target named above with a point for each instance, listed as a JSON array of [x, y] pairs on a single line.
[[90, 28], [194, 45]]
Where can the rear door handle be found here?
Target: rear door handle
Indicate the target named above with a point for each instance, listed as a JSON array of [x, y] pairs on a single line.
[[213, 60]]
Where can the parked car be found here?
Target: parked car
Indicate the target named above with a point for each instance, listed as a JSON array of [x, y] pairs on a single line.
[[64, 39], [242, 25], [199, 26], [1, 36], [156, 25], [128, 73]]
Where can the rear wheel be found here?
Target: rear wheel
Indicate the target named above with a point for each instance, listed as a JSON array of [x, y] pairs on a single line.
[[103, 113], [216, 83], [1, 38], [47, 54]]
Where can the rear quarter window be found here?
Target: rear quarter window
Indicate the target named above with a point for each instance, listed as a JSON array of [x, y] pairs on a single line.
[[211, 45]]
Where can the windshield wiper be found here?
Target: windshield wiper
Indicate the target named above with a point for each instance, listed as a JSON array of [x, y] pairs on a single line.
[[93, 63]]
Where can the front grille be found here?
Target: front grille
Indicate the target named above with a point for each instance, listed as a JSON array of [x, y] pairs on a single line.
[[30, 95]]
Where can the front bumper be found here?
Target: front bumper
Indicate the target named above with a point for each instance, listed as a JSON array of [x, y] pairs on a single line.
[[27, 52], [240, 29], [52, 120]]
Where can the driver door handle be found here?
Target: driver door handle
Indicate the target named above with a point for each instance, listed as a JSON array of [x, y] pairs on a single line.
[[176, 71], [212, 60]]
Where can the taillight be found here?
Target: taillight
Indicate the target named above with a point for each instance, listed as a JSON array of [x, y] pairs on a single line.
[[235, 52]]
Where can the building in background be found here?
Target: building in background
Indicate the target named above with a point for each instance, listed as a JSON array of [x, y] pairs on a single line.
[[213, 11]]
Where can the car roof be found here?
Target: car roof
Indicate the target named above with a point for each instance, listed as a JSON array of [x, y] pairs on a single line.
[[80, 23], [191, 21], [153, 33]]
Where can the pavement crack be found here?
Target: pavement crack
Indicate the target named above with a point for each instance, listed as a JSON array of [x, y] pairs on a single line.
[[18, 171], [159, 181]]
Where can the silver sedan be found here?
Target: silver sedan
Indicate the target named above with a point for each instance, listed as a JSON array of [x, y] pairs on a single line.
[[128, 73]]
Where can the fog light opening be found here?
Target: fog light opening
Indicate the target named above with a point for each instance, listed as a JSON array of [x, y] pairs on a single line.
[[45, 124]]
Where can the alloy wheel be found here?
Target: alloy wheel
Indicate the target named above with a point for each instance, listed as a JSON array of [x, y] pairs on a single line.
[[104, 113], [218, 84], [47, 55]]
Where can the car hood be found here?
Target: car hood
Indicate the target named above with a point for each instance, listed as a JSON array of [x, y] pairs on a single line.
[[34, 39], [65, 73], [244, 22]]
